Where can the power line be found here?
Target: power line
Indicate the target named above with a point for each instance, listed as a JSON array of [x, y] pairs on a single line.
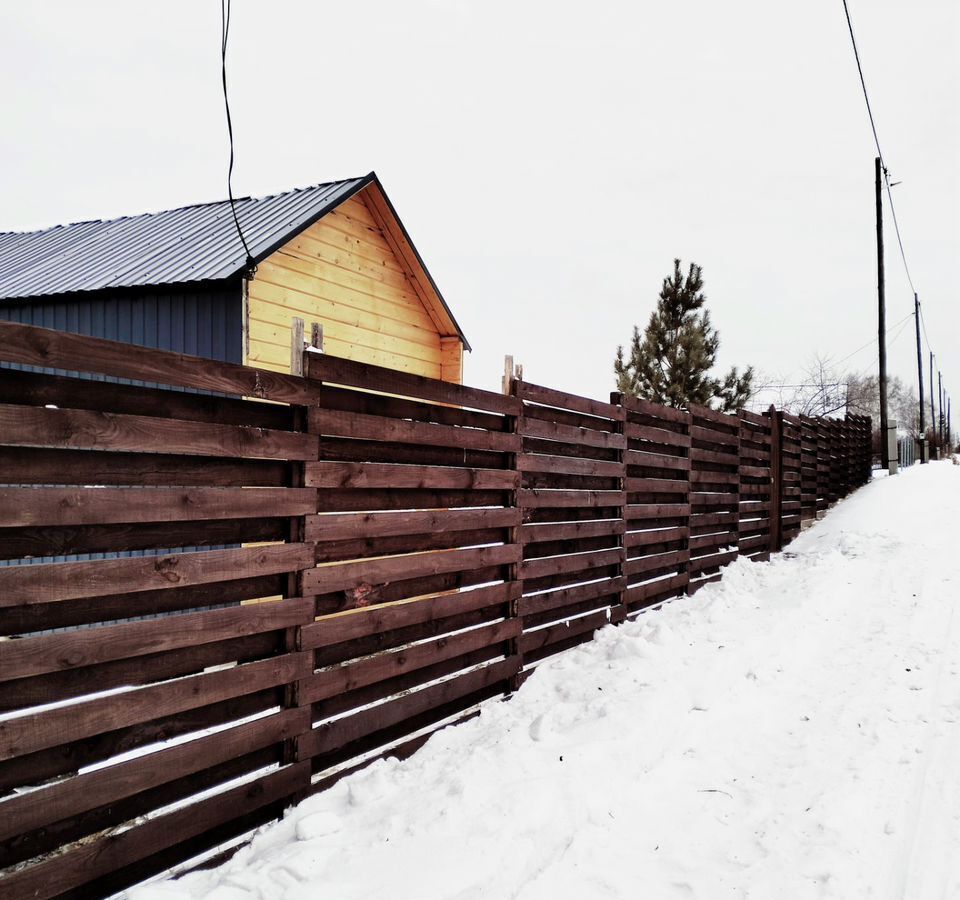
[[876, 140], [225, 34], [872, 340]]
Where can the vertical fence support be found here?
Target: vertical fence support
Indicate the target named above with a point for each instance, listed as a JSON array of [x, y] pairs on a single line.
[[618, 610], [776, 480], [294, 582], [514, 570]]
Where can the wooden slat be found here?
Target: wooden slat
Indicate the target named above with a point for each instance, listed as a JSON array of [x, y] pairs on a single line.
[[52, 506], [537, 393], [539, 532], [34, 465], [637, 457], [533, 604], [570, 434], [389, 381], [655, 410], [379, 428], [656, 486], [643, 564], [568, 465], [641, 592], [656, 536], [50, 582], [333, 735], [552, 634], [35, 389], [46, 348], [65, 651], [352, 624], [538, 497], [336, 526], [27, 426], [70, 796], [344, 576], [381, 666], [109, 853], [575, 562], [654, 435], [657, 511], [395, 477], [37, 731]]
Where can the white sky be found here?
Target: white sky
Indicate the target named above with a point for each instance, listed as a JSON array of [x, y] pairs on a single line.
[[549, 159]]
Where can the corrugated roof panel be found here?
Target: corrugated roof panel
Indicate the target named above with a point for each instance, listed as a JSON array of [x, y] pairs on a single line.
[[177, 246]]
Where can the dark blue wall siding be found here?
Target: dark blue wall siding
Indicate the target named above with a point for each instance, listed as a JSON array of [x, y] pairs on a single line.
[[199, 322]]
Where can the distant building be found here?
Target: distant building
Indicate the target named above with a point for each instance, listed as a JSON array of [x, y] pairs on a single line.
[[179, 280]]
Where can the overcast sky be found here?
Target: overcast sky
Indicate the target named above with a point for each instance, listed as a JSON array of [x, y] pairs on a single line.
[[549, 159]]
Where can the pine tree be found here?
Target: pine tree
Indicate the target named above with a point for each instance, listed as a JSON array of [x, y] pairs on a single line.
[[671, 362]]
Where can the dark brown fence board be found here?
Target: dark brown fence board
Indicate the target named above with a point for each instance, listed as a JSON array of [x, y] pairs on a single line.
[[52, 582], [46, 348]]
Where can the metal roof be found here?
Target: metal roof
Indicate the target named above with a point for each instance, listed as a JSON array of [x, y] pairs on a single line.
[[177, 246]]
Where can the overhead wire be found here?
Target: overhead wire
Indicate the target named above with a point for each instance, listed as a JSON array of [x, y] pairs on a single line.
[[886, 180], [225, 34]]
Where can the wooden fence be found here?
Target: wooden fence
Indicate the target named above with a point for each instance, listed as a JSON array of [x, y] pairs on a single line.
[[402, 550]]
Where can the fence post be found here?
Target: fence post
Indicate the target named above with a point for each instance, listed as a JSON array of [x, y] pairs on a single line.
[[296, 530], [776, 479], [510, 387], [618, 613]]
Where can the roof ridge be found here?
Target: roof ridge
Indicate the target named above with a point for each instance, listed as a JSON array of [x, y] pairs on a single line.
[[186, 206]]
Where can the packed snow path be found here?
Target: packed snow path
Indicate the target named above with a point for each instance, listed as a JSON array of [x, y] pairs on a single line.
[[791, 732]]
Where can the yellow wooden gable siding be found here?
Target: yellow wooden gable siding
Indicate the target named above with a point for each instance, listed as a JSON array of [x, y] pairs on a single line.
[[343, 273]]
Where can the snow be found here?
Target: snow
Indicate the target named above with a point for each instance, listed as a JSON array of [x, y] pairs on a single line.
[[792, 731]]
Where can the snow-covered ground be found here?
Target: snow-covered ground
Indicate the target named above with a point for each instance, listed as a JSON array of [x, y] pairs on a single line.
[[791, 732]]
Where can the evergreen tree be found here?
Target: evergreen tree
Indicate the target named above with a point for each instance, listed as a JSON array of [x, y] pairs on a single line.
[[670, 362]]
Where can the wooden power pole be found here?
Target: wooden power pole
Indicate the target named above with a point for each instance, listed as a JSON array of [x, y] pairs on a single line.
[[923, 432], [940, 395], [882, 321], [933, 417]]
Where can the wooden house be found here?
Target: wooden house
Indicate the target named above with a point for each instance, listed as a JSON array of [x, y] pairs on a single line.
[[181, 280]]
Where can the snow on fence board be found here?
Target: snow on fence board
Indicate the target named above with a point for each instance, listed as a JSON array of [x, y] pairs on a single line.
[[260, 596]]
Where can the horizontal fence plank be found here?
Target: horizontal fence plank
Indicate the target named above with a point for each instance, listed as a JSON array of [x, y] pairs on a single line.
[[379, 428], [570, 434], [334, 370], [351, 624], [51, 582], [367, 670], [35, 465], [346, 526], [552, 634], [65, 651], [534, 604], [50, 349], [568, 465], [543, 497], [28, 426], [348, 575], [107, 854], [571, 562], [54, 506], [398, 476], [538, 393], [111, 783], [330, 736], [39, 730]]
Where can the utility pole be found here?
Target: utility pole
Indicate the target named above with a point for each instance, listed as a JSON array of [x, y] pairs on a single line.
[[940, 393], [923, 432], [881, 323], [933, 418], [949, 433]]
